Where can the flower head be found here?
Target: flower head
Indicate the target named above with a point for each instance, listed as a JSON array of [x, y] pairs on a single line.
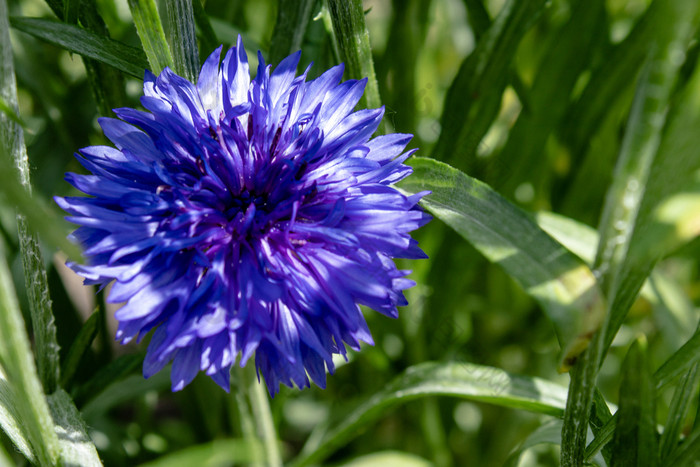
[[246, 217]]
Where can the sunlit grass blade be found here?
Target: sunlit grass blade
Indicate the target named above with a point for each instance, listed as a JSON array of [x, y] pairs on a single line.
[[474, 98], [10, 419], [404, 459], [621, 210], [292, 18], [183, 38], [150, 30], [463, 380], [350, 31], [506, 235], [75, 39], [76, 446], [635, 440], [12, 145], [681, 402], [82, 342], [33, 417]]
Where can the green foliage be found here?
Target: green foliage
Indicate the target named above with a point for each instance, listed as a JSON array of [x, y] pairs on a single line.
[[566, 230]]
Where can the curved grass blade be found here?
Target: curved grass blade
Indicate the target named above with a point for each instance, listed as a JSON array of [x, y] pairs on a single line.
[[547, 433], [465, 380], [635, 441], [75, 39], [150, 30], [183, 38], [682, 399], [76, 446], [10, 417], [474, 98], [403, 459], [558, 280]]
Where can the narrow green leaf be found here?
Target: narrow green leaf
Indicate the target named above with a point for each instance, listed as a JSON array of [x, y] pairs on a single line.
[[621, 212], [635, 441], [474, 98], [10, 419], [619, 259], [682, 399], [218, 452], [4, 457], [12, 144], [383, 458], [560, 281], [76, 446], [464, 380], [478, 17], [33, 417], [183, 38], [128, 59], [150, 30], [350, 31], [82, 342], [292, 18], [11, 114]]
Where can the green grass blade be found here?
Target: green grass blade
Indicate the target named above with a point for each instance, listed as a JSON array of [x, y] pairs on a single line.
[[128, 59], [464, 380], [549, 432], [82, 342], [150, 30], [474, 98], [183, 38], [635, 441], [33, 418], [12, 144], [76, 446], [70, 11], [10, 419], [621, 263], [682, 399], [108, 374], [561, 282], [352, 37], [292, 19]]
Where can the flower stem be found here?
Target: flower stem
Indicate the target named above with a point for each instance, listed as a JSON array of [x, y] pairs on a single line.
[[260, 404]]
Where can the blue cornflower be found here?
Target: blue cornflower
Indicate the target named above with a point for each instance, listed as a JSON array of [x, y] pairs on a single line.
[[243, 216]]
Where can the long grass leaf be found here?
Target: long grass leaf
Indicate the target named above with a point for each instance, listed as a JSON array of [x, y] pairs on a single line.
[[292, 18], [561, 282], [183, 39], [150, 30], [76, 446], [464, 380], [75, 39]]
